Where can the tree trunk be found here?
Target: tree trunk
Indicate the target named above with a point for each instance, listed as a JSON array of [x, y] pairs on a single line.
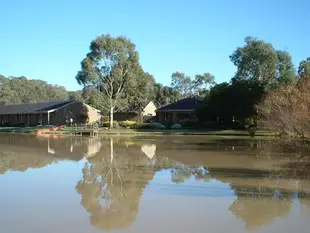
[[111, 117], [111, 150]]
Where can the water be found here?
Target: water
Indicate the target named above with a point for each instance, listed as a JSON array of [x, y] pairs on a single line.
[[160, 184]]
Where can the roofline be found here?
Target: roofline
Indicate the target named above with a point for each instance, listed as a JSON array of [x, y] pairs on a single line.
[[90, 107], [175, 110], [42, 112], [63, 106]]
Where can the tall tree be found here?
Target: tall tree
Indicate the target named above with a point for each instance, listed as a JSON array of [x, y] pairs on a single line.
[[203, 82], [15, 90], [256, 61], [110, 66], [304, 68], [7, 95], [286, 73], [140, 94], [163, 95], [95, 98], [181, 83], [76, 95]]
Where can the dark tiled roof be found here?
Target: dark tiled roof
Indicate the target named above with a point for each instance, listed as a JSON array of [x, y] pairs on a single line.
[[32, 108], [189, 103]]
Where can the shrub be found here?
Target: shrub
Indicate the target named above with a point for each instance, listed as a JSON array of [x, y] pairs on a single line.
[[126, 124], [252, 131], [141, 126], [176, 126], [156, 125], [286, 111], [107, 124]]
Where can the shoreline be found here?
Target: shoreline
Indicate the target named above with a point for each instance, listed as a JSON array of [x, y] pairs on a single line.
[[143, 132]]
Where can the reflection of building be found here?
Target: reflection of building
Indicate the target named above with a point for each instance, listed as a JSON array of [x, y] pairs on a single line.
[[22, 152], [51, 113], [149, 150]]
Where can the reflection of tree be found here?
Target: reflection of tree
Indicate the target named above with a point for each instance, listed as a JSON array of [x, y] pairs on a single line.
[[180, 173], [259, 206], [112, 185]]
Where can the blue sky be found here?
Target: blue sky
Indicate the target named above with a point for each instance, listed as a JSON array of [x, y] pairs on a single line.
[[48, 39]]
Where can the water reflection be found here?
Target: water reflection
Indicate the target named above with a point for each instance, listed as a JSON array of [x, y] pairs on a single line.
[[264, 182], [112, 186], [19, 153]]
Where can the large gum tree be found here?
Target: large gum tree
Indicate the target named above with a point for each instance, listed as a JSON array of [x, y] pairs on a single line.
[[111, 67]]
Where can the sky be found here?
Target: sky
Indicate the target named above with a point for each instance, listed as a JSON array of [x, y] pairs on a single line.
[[48, 39]]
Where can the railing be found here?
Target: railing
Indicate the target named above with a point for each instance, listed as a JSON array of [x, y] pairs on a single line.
[[85, 127]]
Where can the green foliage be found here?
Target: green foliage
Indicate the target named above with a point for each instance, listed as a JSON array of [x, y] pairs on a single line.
[[186, 87], [140, 94], [127, 123], [16, 90], [252, 131], [258, 61], [107, 124], [182, 84], [202, 83], [163, 95], [156, 125], [286, 72], [231, 102], [111, 67], [76, 95], [304, 68]]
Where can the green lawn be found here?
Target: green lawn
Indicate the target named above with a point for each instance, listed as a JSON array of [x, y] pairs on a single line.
[[146, 132], [180, 132], [29, 130]]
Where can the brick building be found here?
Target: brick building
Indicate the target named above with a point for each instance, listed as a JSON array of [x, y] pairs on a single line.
[[51, 113]]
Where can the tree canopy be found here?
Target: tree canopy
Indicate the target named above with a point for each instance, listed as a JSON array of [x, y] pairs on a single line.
[[258, 61], [304, 68], [111, 67], [18, 90]]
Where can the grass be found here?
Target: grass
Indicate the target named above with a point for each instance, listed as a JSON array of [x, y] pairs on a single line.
[[145, 132], [155, 132], [26, 130]]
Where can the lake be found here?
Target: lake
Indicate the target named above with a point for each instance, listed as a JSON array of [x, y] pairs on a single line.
[[152, 184]]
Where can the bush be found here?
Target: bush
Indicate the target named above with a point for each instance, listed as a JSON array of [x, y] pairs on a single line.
[[156, 125], [141, 126], [126, 124], [252, 131], [107, 124], [176, 126]]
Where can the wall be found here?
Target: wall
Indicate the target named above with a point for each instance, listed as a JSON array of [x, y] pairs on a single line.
[[78, 111], [26, 119], [94, 114], [75, 110], [149, 110]]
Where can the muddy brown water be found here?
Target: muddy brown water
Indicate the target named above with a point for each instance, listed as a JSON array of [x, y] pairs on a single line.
[[152, 184]]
